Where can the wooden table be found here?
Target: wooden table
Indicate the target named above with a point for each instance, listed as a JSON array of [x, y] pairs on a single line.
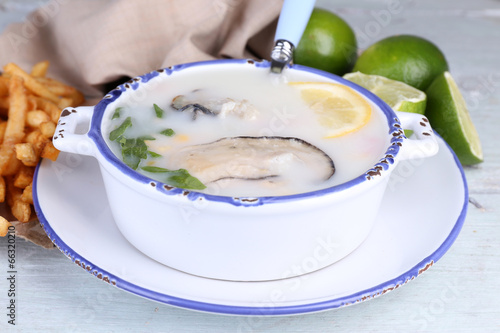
[[460, 293]]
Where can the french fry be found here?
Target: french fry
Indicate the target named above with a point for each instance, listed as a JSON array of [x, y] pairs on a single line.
[[3, 189], [25, 152], [3, 127], [47, 129], [4, 226], [40, 69], [38, 140], [24, 177], [31, 104], [50, 152], [14, 132], [18, 106], [57, 87], [12, 166], [41, 104], [36, 117], [4, 86], [31, 83], [32, 136], [4, 102], [20, 209], [27, 195], [4, 107], [65, 102], [75, 97]]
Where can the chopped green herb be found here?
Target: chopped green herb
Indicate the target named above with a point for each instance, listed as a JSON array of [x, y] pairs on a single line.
[[118, 132], [130, 159], [181, 178], [126, 143], [159, 111], [116, 114], [154, 169], [139, 148], [121, 140], [178, 178], [133, 150], [168, 132], [146, 138], [153, 154]]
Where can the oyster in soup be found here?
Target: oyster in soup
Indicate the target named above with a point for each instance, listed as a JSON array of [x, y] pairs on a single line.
[[271, 160], [200, 102]]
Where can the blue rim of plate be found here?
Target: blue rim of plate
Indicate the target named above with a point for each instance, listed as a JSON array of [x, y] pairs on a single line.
[[354, 298]]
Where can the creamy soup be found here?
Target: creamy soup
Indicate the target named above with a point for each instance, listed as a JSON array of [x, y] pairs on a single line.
[[237, 132]]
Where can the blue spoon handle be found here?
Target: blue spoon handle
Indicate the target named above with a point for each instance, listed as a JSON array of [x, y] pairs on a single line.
[[293, 20], [291, 25]]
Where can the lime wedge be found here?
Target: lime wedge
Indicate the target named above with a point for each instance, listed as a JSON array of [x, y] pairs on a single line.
[[398, 95], [448, 114]]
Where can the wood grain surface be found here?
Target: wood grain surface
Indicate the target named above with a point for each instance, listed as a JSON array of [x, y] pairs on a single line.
[[460, 293]]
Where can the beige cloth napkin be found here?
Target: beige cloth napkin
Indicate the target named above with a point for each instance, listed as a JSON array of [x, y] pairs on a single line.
[[93, 44]]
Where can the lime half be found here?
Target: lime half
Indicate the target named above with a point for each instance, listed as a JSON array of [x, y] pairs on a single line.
[[398, 95], [448, 114]]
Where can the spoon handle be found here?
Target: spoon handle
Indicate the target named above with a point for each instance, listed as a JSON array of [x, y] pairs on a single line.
[[293, 20], [291, 25]]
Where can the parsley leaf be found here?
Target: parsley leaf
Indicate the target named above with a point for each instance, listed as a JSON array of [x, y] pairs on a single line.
[[181, 178], [153, 154], [178, 178], [116, 114], [130, 159], [118, 132], [146, 138], [154, 169], [159, 111], [133, 151], [168, 132]]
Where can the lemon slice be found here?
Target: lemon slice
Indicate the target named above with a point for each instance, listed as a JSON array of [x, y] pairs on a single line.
[[339, 109]]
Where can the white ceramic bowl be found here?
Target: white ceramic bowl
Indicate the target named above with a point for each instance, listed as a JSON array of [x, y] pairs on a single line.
[[242, 239]]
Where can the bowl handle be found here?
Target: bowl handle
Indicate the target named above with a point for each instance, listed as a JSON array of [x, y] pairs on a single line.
[[425, 144], [66, 137]]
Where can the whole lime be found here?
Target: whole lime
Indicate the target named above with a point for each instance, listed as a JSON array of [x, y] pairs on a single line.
[[328, 43], [409, 59]]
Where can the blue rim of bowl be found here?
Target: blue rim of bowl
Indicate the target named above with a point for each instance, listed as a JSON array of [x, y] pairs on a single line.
[[334, 303], [379, 170]]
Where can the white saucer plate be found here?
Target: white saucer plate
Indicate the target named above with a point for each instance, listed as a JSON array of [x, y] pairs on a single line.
[[429, 197]]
